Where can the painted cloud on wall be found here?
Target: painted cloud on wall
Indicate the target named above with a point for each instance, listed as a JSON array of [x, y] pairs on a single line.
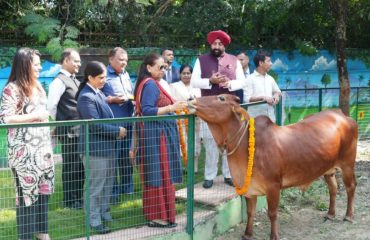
[[52, 69], [278, 65], [322, 64]]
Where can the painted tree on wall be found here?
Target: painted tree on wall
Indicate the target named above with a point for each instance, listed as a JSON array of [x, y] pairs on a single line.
[[360, 79], [326, 79]]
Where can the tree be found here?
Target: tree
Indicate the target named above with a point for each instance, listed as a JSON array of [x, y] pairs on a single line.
[[325, 79], [339, 10]]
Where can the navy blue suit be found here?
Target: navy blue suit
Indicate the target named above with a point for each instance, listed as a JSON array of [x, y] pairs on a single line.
[[92, 104], [102, 137], [175, 75]]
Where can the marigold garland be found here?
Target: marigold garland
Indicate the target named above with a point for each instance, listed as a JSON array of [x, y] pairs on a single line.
[[182, 138], [251, 148]]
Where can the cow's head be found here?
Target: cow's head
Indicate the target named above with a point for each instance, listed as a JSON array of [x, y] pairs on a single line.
[[218, 109]]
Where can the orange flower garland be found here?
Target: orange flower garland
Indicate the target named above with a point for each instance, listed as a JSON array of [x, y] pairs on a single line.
[[251, 150], [182, 138]]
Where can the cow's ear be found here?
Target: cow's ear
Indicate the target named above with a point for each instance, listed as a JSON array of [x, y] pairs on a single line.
[[243, 114]]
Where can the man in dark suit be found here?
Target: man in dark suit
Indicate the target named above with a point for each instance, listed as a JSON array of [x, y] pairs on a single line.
[[244, 61], [62, 106], [172, 73]]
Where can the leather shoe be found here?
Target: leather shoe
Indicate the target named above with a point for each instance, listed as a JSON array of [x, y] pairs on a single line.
[[101, 229], [207, 183], [229, 182]]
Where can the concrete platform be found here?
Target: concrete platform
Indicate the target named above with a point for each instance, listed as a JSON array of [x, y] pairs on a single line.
[[217, 194], [214, 197]]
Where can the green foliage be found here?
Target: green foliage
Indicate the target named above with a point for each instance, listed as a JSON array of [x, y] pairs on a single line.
[[72, 32], [279, 24], [41, 28], [306, 48], [50, 31], [6, 56], [54, 48]]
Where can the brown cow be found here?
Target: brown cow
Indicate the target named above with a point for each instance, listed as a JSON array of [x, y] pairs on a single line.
[[288, 156]]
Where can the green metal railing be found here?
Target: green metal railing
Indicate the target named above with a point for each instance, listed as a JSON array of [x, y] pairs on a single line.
[[307, 101], [359, 103]]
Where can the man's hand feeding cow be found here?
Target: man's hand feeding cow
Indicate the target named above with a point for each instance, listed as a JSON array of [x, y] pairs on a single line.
[[277, 157]]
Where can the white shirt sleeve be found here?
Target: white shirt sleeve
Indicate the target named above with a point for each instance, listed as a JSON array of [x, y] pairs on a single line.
[[275, 87], [239, 82], [56, 90], [196, 80], [248, 89]]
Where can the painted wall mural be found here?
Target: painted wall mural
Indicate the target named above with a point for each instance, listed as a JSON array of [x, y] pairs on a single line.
[[292, 71]]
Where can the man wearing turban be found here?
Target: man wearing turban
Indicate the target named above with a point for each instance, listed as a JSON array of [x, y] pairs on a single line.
[[212, 73]]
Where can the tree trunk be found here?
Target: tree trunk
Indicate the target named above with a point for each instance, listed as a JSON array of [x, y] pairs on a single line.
[[339, 9]]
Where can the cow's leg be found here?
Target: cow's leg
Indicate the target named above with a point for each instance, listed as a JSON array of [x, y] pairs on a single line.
[[251, 212], [349, 180], [333, 189], [273, 196]]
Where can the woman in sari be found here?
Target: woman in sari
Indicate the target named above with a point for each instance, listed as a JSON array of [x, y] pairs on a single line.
[[160, 160]]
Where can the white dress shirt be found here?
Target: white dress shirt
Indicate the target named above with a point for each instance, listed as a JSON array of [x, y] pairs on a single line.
[[56, 90], [260, 85]]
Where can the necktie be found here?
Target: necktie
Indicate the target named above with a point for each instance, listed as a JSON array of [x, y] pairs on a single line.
[[169, 76]]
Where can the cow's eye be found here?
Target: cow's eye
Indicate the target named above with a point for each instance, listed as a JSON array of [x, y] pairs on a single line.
[[221, 98]]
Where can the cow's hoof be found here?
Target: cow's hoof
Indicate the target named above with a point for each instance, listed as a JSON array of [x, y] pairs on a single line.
[[246, 238], [329, 217], [348, 219]]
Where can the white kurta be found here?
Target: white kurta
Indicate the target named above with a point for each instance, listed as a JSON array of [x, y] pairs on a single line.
[[181, 92]]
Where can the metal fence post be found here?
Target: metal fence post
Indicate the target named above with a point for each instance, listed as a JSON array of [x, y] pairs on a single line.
[[320, 99], [279, 112], [87, 178], [190, 180]]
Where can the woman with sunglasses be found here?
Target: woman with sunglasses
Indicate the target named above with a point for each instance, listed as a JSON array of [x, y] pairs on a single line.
[[160, 160]]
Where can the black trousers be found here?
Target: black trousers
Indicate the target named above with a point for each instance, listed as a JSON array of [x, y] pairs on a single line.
[[32, 219], [73, 173]]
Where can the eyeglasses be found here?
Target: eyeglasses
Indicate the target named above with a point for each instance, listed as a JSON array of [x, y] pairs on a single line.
[[163, 67]]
